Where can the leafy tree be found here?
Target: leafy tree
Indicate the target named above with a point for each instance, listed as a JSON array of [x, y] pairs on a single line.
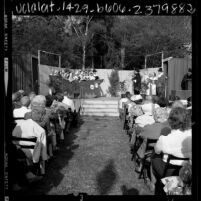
[[103, 41]]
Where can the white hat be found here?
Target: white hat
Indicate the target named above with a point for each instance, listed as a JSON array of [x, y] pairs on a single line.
[[136, 97]]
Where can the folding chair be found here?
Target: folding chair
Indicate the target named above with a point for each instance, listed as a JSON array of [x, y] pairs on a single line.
[[169, 165], [125, 118], [159, 185], [146, 160]]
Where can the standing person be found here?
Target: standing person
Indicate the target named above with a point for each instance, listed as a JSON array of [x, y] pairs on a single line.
[[137, 82], [152, 84], [185, 81], [161, 83]]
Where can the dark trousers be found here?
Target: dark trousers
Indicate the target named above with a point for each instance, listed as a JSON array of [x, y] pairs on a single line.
[[159, 165], [17, 165], [158, 168]]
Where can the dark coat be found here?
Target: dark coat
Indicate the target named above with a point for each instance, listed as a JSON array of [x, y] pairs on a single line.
[[137, 82], [184, 82]]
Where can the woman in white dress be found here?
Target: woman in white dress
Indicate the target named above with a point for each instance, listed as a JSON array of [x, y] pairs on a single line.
[[152, 84]]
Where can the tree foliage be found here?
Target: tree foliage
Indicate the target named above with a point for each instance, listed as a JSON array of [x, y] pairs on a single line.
[[109, 41]]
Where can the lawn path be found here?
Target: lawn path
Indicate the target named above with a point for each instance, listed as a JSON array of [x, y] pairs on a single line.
[[95, 159]]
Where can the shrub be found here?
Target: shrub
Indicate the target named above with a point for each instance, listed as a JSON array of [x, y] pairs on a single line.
[[114, 83]]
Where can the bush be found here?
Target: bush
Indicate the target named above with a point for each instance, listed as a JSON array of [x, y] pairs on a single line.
[[114, 83]]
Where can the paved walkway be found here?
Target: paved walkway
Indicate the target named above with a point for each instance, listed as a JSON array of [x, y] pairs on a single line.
[[94, 159]]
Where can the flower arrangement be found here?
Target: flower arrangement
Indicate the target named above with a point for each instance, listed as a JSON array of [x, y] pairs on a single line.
[[79, 75]]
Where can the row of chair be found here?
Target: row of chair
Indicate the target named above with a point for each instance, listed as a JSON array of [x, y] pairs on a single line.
[[145, 162], [20, 142]]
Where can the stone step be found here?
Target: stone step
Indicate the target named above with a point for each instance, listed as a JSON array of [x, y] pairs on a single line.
[[99, 106], [100, 110], [100, 102], [112, 114]]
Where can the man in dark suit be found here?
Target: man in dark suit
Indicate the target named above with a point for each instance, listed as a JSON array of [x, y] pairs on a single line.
[[137, 82], [185, 80]]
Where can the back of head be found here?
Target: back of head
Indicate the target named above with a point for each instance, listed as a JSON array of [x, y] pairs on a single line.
[[32, 95], [49, 100], [189, 101], [128, 95], [38, 100], [163, 102], [179, 118], [59, 97], [16, 96], [160, 70], [155, 99], [137, 99], [66, 93], [177, 103], [25, 101], [160, 115]]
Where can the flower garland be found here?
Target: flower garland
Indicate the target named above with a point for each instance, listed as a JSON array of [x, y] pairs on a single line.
[[79, 75]]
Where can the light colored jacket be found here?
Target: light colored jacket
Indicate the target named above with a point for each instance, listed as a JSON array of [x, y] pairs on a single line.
[[29, 128]]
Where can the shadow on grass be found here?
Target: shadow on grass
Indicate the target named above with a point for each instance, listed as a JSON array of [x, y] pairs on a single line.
[[106, 178], [131, 191], [53, 175]]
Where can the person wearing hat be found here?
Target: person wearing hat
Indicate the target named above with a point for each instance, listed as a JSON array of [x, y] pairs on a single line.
[[136, 82], [137, 99], [16, 100], [185, 81], [161, 83], [20, 112]]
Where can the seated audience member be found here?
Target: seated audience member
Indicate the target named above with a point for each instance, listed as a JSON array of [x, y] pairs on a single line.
[[29, 128], [137, 99], [19, 170], [177, 103], [177, 143], [22, 92], [189, 103], [146, 118], [38, 112], [20, 112], [153, 131], [16, 100], [57, 102], [51, 136], [66, 100], [149, 106], [141, 121], [62, 119], [31, 96], [163, 102], [124, 100]]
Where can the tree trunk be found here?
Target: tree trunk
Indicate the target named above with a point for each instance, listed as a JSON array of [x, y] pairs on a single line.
[[92, 61], [83, 56], [122, 57]]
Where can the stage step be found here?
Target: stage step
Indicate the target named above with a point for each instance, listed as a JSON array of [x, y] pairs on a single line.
[[100, 107]]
